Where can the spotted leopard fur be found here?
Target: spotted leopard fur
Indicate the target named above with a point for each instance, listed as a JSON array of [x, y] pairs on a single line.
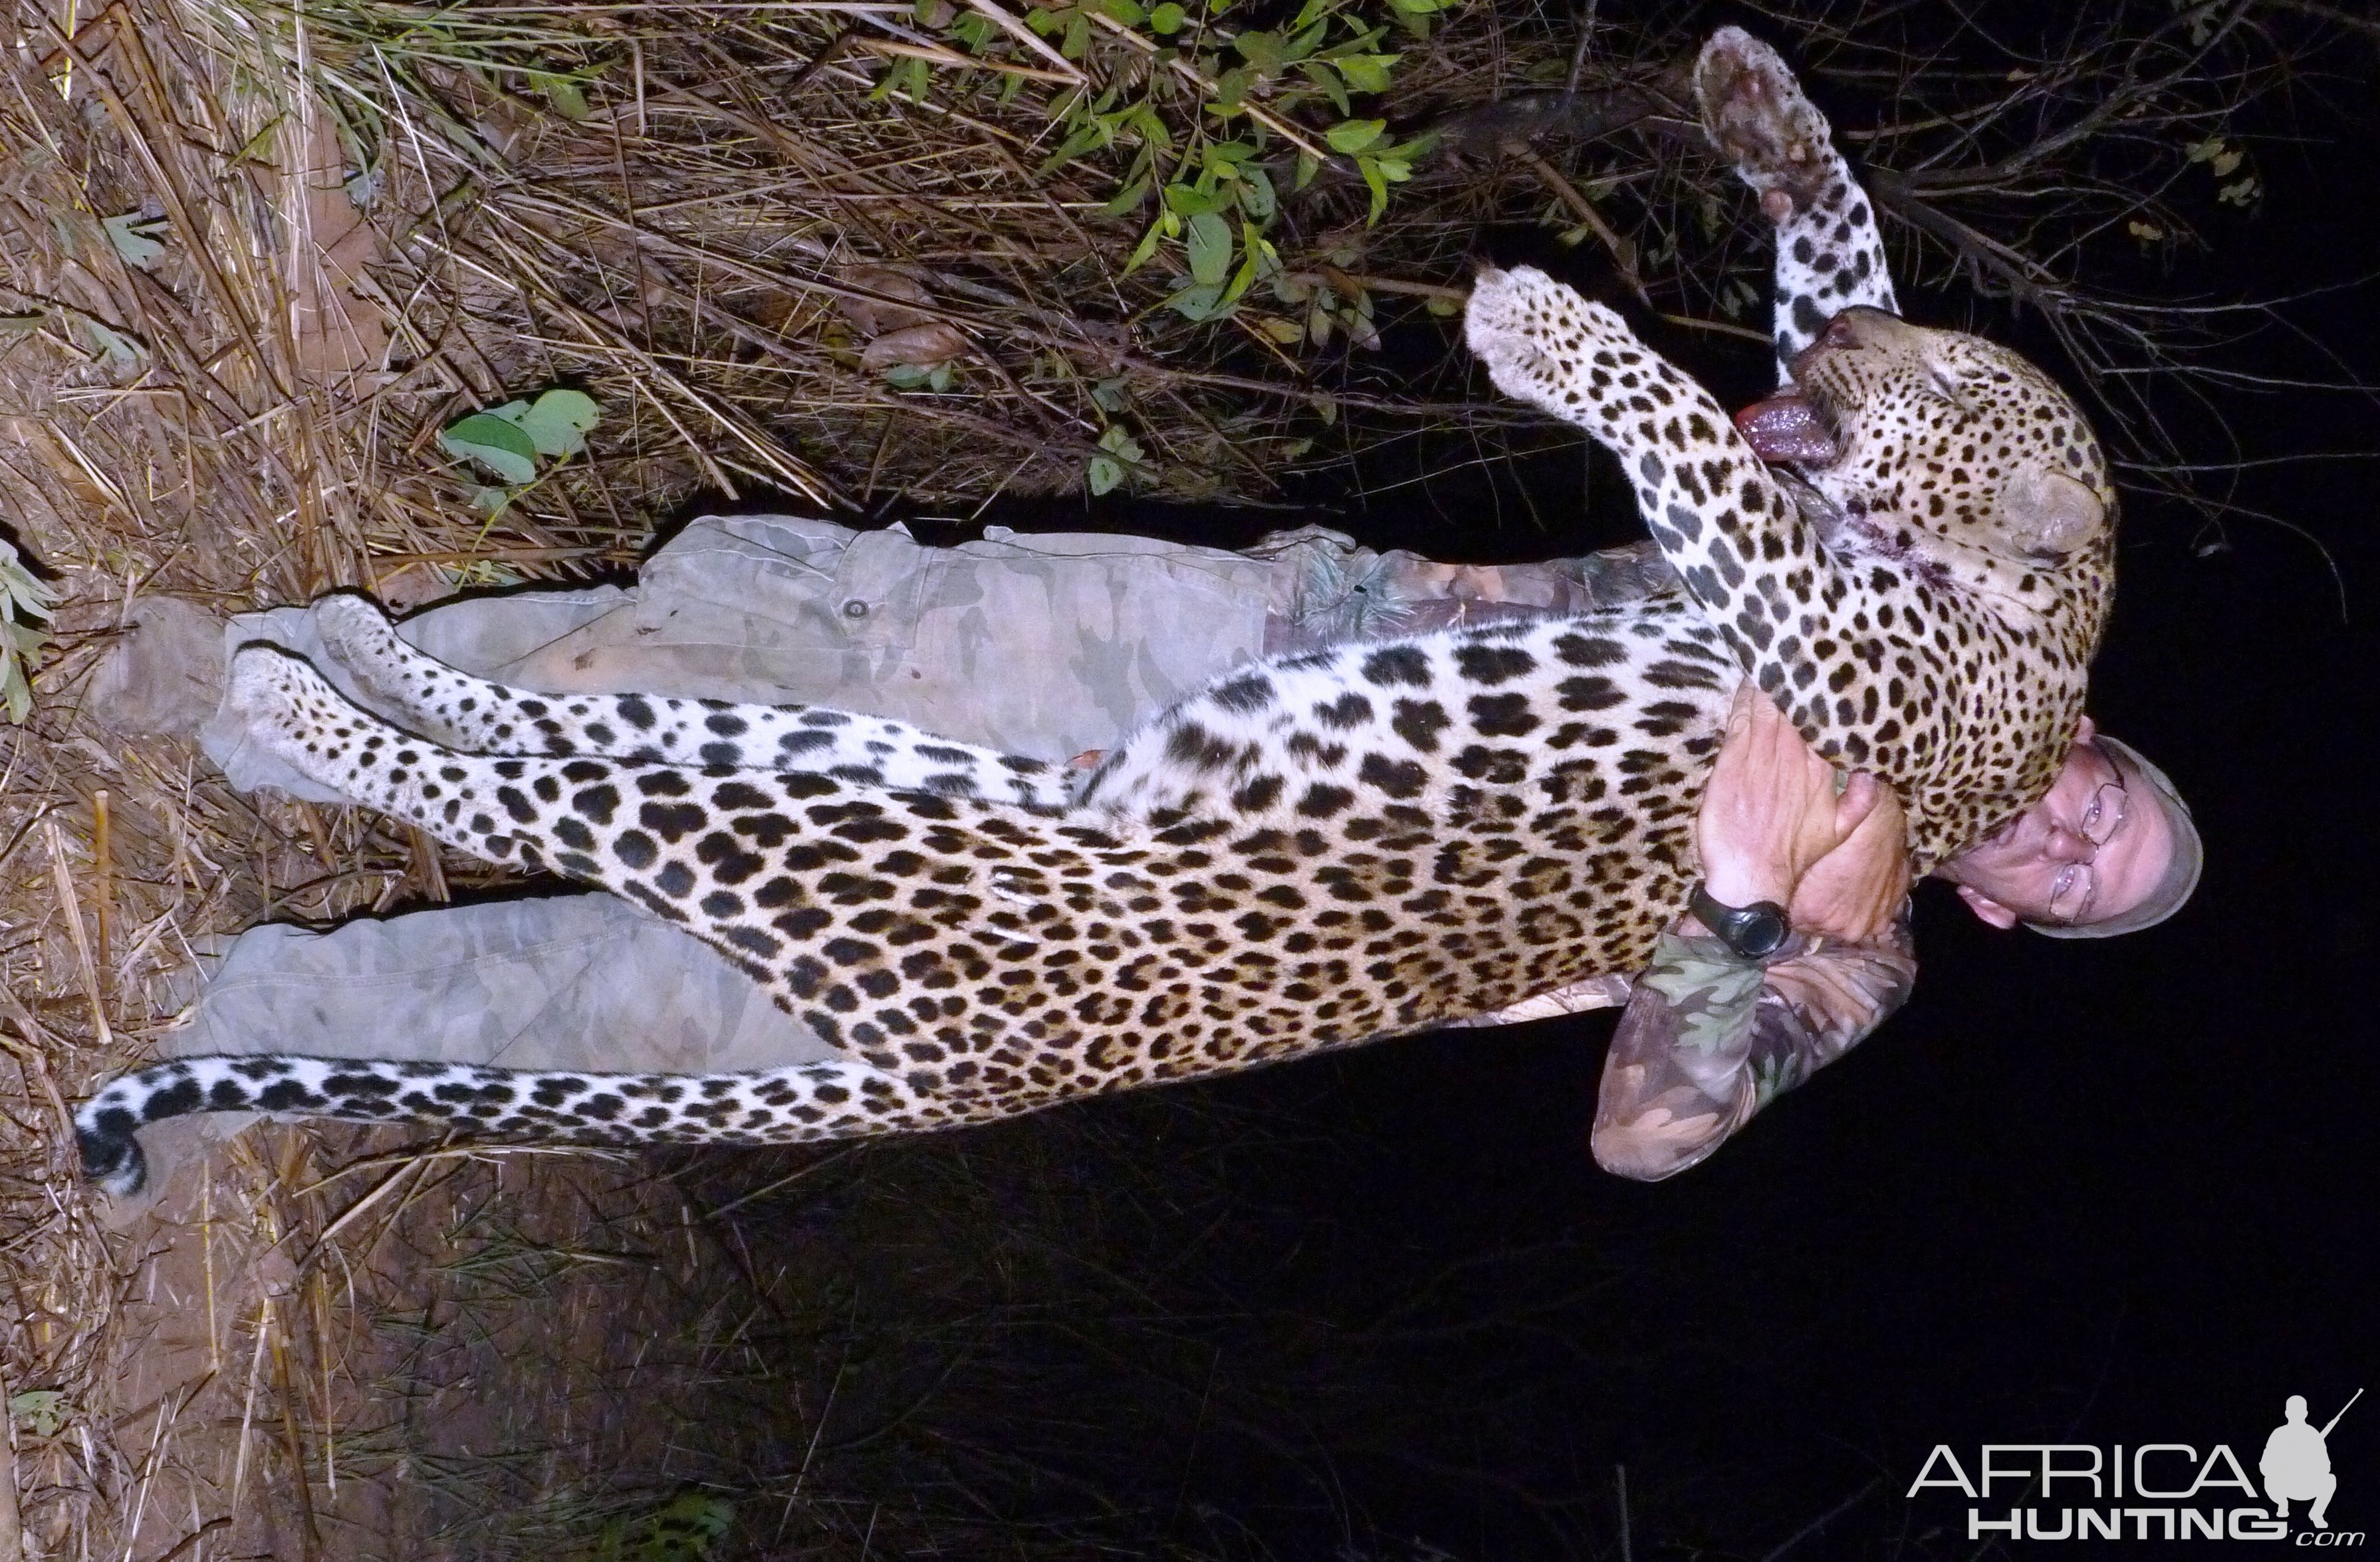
[[473, 716], [1312, 852]]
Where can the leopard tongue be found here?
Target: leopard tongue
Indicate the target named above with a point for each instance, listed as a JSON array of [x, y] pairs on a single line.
[[1787, 427]]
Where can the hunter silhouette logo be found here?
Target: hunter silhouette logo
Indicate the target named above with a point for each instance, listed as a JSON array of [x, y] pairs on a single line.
[[2296, 1465], [2150, 1491]]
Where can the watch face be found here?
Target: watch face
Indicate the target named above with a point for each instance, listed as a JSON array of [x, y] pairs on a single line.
[[1759, 933]]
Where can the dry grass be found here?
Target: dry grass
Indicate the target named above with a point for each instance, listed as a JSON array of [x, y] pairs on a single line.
[[725, 246], [249, 416]]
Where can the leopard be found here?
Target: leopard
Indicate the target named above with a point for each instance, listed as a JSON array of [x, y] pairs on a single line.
[[1316, 851]]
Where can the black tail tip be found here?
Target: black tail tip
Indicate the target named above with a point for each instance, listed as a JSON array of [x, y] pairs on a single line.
[[113, 1159]]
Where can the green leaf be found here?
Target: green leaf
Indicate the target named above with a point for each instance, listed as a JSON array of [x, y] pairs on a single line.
[[1125, 11], [563, 95], [1306, 168], [557, 425], [1245, 277], [1211, 248], [493, 442], [39, 1411], [1354, 135], [22, 591], [1167, 20], [1366, 73], [1197, 302], [1264, 52], [1189, 201], [134, 237], [1105, 473], [1126, 201], [1258, 199], [111, 347], [1145, 248], [1322, 76]]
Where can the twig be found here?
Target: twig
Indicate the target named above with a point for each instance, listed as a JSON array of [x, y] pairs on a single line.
[[991, 11], [73, 904], [1623, 254], [103, 858]]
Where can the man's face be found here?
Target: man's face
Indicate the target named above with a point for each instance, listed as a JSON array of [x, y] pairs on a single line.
[[2045, 867]]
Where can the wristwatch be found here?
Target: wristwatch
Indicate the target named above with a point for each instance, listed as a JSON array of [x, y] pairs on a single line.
[[1756, 931]]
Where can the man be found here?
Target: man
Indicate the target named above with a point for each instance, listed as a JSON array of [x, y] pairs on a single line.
[[1050, 647], [1714, 1031], [1055, 646]]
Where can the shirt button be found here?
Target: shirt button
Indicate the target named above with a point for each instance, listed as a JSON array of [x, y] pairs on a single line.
[[855, 609]]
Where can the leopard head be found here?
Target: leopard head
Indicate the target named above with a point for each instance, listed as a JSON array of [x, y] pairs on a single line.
[[1942, 447]]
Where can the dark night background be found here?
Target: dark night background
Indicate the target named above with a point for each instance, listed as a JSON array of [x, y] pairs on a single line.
[[2097, 1192]]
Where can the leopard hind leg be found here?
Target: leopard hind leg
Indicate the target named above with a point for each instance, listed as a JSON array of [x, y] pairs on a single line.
[[477, 716]]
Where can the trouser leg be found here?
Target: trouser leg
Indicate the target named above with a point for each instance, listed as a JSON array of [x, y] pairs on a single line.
[[1040, 646]]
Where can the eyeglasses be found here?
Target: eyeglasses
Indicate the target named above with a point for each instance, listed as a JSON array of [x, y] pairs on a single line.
[[2077, 886]]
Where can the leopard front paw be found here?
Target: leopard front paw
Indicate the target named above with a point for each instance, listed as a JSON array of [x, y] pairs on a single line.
[[1754, 111], [1540, 342]]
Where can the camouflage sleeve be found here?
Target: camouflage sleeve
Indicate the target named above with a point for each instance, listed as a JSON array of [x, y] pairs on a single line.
[[1346, 593], [1710, 1037]]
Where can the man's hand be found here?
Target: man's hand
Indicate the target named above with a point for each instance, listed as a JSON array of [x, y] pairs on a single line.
[[1854, 892], [1774, 827], [1771, 810]]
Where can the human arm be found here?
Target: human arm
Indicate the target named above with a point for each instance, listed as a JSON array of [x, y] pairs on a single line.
[[1710, 1036]]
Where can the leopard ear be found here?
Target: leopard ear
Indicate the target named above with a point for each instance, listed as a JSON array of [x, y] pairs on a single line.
[[2048, 513]]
